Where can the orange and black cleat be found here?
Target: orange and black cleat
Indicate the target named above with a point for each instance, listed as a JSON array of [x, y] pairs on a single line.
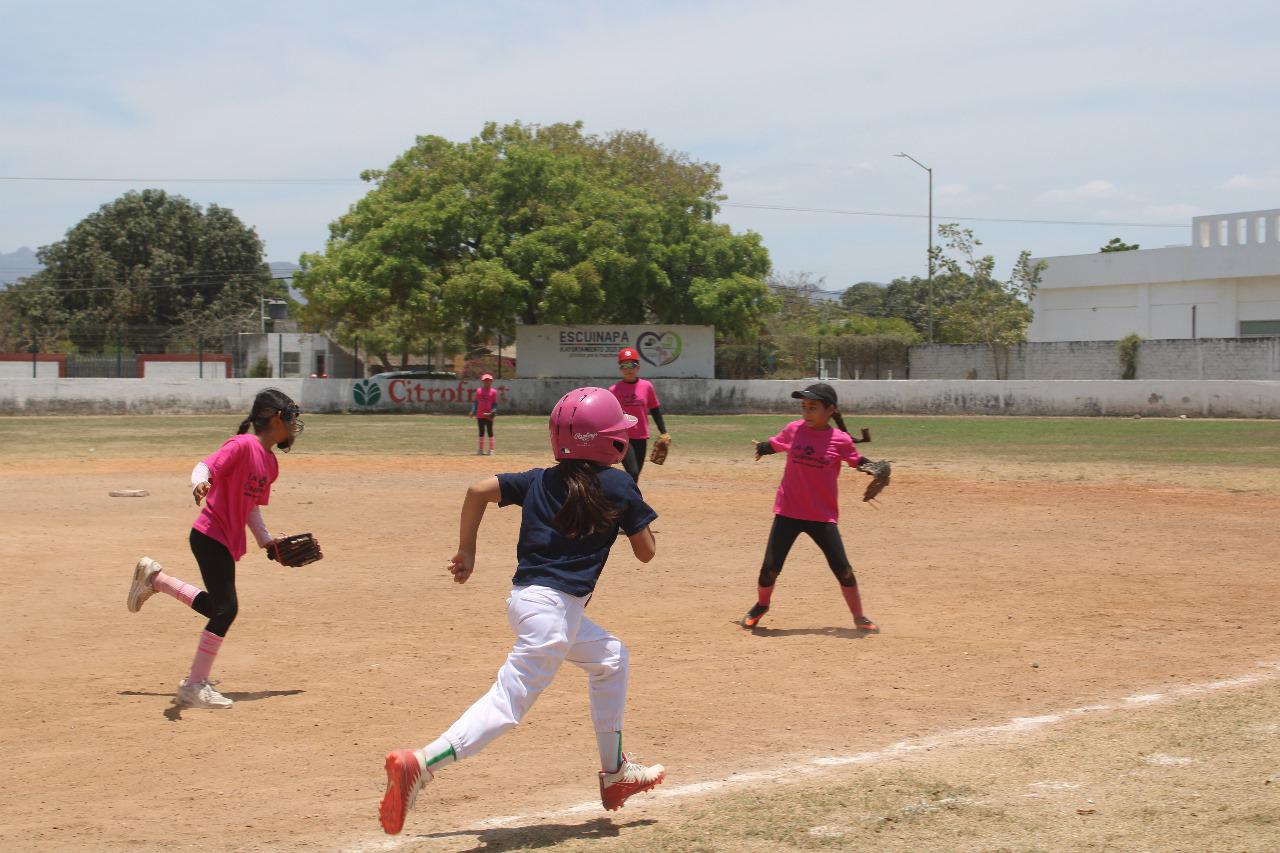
[[752, 618], [865, 625]]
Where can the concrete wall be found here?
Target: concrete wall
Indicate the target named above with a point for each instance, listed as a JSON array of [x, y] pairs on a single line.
[[1167, 398], [1229, 358], [135, 396]]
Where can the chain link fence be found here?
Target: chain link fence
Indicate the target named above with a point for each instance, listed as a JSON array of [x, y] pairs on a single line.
[[807, 357]]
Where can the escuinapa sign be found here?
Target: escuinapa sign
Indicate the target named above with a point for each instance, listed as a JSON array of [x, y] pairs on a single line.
[[555, 351]]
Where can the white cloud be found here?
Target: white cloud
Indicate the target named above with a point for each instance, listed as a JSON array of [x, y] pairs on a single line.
[[1266, 181], [1090, 191]]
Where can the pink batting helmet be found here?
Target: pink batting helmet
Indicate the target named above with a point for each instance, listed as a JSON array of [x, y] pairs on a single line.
[[588, 423]]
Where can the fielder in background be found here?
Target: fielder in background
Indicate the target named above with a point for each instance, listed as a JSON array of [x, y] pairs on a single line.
[[640, 400], [807, 500], [233, 483], [484, 409], [570, 516]]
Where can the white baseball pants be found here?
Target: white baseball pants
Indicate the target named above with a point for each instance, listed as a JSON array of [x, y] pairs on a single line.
[[550, 627]]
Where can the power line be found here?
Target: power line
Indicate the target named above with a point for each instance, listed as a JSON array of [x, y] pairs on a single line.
[[839, 212], [743, 205], [185, 180]]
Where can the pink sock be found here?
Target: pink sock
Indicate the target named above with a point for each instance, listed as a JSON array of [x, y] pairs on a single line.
[[205, 653], [852, 599], [491, 444], [763, 594], [184, 592]]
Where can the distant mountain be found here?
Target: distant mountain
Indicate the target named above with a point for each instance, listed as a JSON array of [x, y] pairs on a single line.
[[15, 265]]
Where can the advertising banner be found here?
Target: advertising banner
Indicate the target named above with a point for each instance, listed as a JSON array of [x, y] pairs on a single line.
[[672, 351]]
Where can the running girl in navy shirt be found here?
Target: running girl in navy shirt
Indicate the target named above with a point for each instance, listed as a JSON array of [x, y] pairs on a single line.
[[570, 517]]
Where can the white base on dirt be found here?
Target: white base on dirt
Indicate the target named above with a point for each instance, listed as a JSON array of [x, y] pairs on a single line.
[[129, 493]]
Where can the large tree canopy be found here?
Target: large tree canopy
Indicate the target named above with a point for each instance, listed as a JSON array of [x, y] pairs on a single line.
[[536, 224], [148, 261]]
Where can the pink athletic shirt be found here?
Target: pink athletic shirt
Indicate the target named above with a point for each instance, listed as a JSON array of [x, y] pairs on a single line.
[[637, 398], [240, 474], [486, 401], [808, 490]]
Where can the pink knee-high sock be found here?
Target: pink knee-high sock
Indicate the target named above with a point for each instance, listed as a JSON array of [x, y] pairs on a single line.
[[202, 665], [491, 442], [181, 590], [852, 599], [764, 594]]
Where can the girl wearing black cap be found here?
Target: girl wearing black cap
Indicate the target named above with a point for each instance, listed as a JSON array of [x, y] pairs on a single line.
[[807, 499]]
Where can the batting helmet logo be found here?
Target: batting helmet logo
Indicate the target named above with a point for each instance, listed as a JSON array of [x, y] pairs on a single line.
[[585, 437]]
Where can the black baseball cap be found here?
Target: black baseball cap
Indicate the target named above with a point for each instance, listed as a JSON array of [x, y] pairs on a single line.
[[818, 391]]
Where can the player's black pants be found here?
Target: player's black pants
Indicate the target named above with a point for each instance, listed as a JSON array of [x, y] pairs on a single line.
[[637, 452], [218, 570], [485, 424], [783, 535]]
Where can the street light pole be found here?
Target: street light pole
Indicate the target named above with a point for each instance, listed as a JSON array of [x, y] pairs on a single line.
[[930, 171]]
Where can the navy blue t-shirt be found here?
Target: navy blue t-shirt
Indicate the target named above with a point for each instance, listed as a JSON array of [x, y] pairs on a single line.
[[547, 558]]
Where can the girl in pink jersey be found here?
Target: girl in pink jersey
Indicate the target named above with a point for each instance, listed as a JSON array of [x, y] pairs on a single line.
[[807, 499], [233, 483], [640, 400], [483, 409]]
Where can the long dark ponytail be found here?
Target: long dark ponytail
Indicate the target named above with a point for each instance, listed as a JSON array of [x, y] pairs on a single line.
[[839, 419], [585, 510]]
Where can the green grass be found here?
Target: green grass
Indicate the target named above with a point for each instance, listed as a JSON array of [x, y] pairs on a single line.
[[1034, 440]]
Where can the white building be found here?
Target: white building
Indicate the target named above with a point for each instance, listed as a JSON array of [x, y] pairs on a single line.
[[289, 355], [1226, 284]]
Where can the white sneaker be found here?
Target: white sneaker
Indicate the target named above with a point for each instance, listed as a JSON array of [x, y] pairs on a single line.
[[631, 778], [140, 590], [201, 695], [480, 452]]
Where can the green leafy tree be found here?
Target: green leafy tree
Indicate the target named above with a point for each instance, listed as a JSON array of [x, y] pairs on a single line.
[[150, 260], [981, 308], [1115, 244], [866, 298], [535, 224]]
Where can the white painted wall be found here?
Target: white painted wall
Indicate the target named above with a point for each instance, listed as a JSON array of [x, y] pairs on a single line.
[[22, 370], [1228, 274], [185, 370], [1159, 398]]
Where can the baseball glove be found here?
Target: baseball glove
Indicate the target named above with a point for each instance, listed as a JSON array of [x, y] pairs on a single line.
[[880, 471], [296, 550], [660, 449]]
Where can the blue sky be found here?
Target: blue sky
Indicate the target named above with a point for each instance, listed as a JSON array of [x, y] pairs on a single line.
[[1137, 112]]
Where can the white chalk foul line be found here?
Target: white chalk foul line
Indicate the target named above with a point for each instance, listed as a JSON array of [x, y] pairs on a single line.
[[1267, 671]]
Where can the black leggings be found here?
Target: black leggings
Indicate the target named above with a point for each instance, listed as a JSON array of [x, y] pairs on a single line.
[[218, 569], [783, 535], [636, 454], [485, 424]]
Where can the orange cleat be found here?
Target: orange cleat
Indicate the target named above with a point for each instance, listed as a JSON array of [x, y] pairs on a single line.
[[405, 777], [752, 618]]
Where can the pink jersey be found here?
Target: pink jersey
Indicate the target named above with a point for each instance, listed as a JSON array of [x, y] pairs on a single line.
[[808, 490], [486, 402], [241, 474], [637, 398]]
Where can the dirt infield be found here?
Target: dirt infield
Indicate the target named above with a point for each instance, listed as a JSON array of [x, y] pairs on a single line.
[[999, 596]]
